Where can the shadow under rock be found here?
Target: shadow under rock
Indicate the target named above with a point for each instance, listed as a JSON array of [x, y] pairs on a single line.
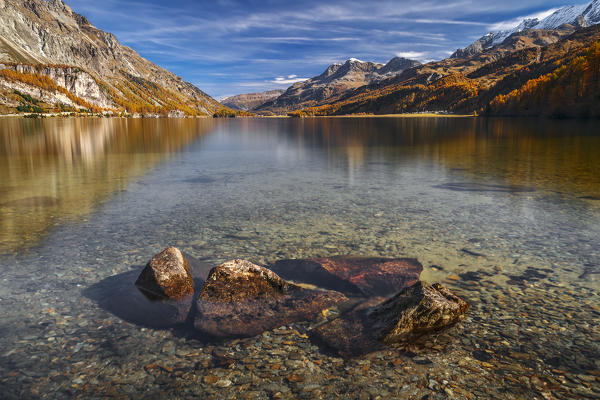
[[118, 295]]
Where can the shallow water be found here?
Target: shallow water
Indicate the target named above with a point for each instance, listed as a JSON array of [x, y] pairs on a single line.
[[505, 212]]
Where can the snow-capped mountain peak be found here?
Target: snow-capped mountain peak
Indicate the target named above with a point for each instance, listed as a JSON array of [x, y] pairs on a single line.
[[592, 13], [564, 15], [579, 16]]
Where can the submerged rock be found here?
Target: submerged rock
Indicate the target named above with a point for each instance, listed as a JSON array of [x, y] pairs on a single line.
[[243, 299], [353, 276], [415, 311], [350, 334], [167, 276]]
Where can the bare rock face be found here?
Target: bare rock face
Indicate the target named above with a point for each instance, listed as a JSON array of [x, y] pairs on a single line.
[[49, 33], [415, 311], [167, 276], [243, 299], [336, 81], [353, 276]]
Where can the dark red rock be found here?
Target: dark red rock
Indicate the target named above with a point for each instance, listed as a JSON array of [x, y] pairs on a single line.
[[243, 299], [167, 276], [353, 276], [415, 311]]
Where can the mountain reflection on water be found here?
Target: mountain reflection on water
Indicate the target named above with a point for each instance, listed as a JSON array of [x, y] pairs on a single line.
[[52, 170], [553, 154]]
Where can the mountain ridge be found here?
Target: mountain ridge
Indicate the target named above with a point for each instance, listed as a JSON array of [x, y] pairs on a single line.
[[44, 37], [337, 79], [250, 101], [579, 16], [494, 81]]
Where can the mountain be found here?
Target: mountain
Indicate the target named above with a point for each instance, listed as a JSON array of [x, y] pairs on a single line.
[[579, 16], [53, 57], [532, 72], [335, 81], [250, 101]]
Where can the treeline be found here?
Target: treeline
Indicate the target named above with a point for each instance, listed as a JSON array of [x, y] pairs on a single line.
[[130, 94], [453, 92], [138, 95], [572, 90]]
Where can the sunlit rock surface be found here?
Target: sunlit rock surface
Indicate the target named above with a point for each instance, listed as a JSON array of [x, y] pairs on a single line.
[[243, 299], [167, 275], [415, 311]]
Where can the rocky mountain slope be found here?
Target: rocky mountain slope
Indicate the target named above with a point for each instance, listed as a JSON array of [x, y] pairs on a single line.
[[45, 41], [533, 72], [334, 82], [250, 101], [579, 16]]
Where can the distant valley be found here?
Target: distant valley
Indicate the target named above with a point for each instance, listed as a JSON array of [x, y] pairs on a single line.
[[250, 101]]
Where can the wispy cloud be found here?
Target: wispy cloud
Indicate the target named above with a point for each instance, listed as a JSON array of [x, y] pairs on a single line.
[[290, 80], [448, 22], [514, 22], [227, 46], [411, 54]]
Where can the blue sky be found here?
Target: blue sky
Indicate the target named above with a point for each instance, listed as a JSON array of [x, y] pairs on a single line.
[[227, 47]]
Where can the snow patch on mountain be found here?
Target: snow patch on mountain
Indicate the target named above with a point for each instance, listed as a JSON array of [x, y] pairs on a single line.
[[564, 15]]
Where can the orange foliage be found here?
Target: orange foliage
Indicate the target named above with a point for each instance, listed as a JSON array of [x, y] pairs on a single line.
[[573, 89], [45, 83], [138, 95], [449, 93]]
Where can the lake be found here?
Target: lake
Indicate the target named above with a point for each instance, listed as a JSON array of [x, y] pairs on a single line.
[[505, 212]]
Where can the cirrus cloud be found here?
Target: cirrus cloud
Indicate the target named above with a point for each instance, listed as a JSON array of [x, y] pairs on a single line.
[[230, 46], [289, 80]]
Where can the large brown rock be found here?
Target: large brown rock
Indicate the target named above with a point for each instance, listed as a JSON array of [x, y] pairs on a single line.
[[415, 311], [243, 299], [353, 276], [167, 276]]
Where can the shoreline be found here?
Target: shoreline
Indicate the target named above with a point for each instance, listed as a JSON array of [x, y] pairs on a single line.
[[427, 115], [407, 115], [68, 115]]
